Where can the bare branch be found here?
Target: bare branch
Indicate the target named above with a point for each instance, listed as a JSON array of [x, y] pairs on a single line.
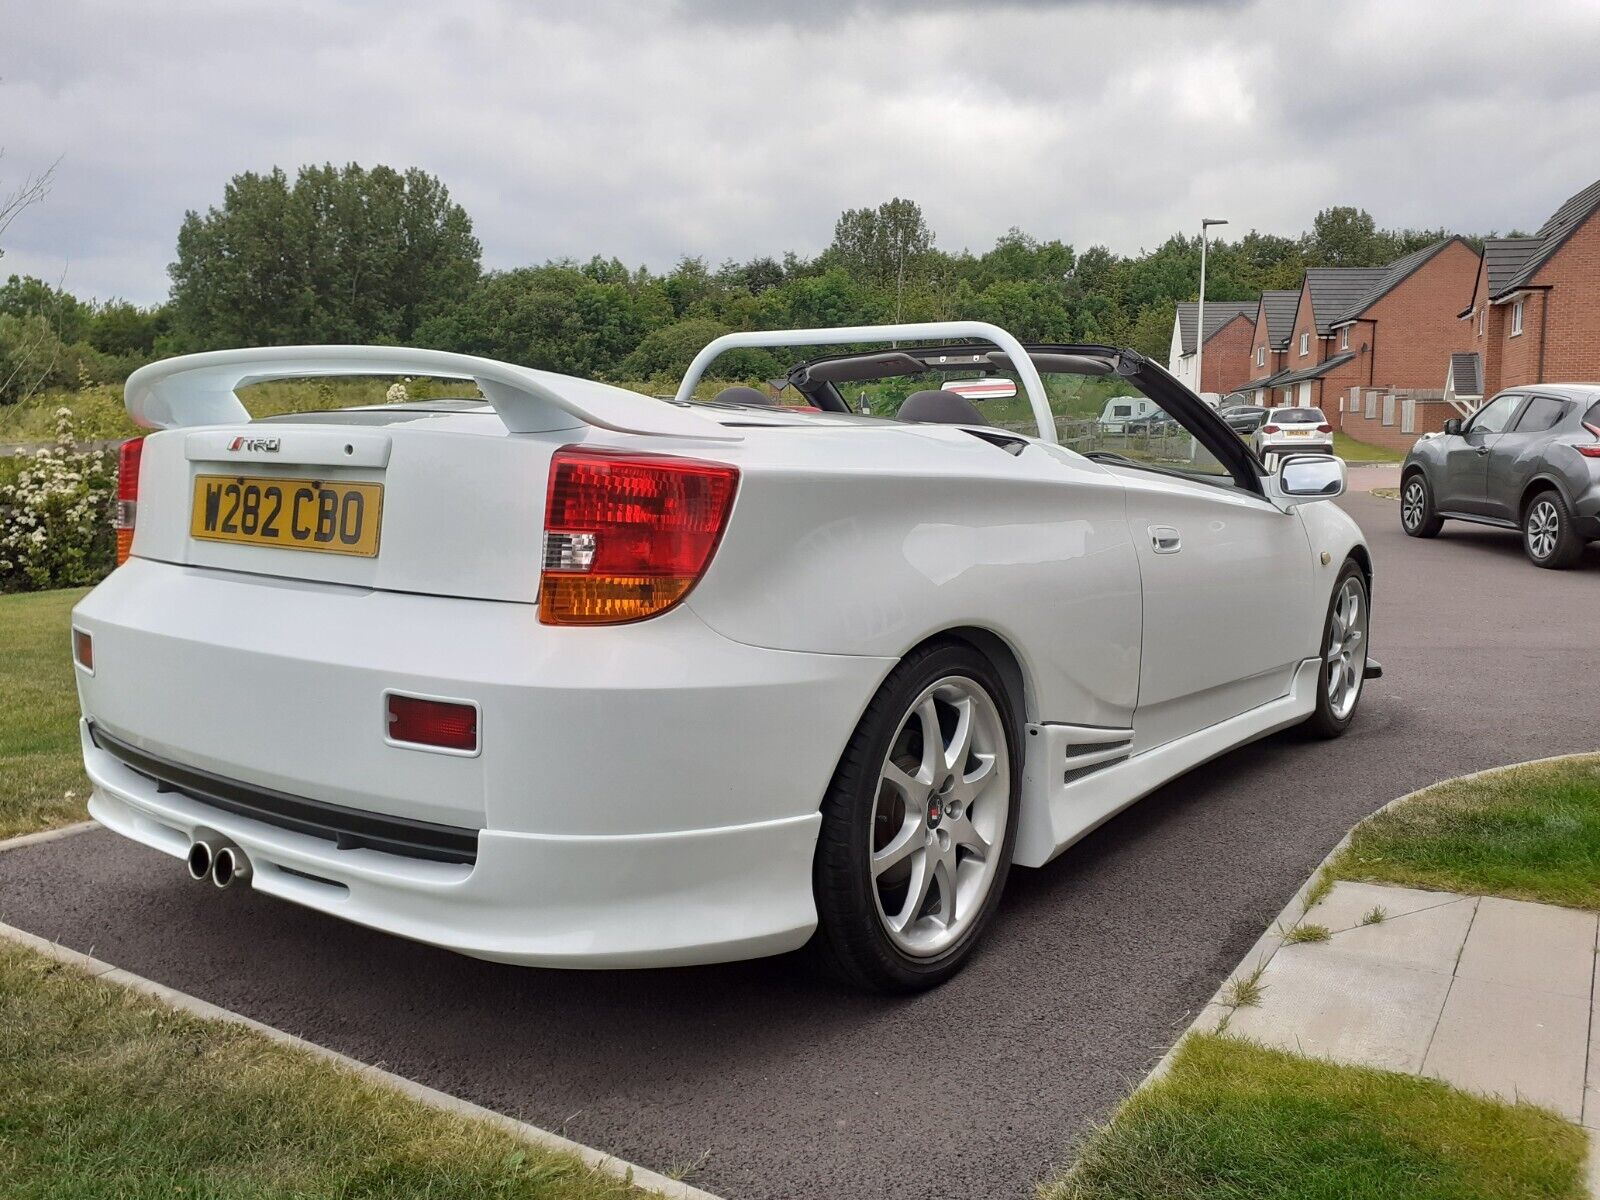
[[32, 190]]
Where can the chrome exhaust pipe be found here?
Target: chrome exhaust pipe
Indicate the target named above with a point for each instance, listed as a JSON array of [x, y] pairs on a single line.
[[229, 867], [202, 856]]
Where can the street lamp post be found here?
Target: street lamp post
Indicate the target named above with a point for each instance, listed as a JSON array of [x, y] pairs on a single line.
[[1200, 315]]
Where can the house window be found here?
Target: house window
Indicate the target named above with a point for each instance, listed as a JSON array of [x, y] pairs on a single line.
[[1305, 344], [1344, 338], [1516, 319], [1261, 356]]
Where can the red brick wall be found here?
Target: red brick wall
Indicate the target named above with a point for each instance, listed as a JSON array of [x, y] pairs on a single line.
[[1571, 328], [1304, 322], [1519, 353], [1227, 363], [1415, 328], [1430, 418]]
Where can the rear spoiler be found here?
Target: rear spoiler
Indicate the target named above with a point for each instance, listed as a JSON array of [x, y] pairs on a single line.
[[200, 389]]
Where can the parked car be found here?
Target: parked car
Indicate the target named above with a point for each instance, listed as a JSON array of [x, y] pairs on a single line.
[[1293, 431], [1529, 459], [575, 677], [1244, 419]]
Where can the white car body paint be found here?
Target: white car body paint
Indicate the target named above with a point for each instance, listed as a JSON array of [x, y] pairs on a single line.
[[648, 794]]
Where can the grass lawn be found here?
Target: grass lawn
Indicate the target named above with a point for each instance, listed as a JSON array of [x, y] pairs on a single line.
[[41, 774], [1235, 1121], [1532, 833], [1347, 448], [109, 1094]]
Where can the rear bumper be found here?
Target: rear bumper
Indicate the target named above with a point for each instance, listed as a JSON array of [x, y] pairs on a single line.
[[648, 900], [646, 795], [1297, 448]]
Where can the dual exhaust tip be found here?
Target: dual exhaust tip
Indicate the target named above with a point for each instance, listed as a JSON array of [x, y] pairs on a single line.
[[222, 863]]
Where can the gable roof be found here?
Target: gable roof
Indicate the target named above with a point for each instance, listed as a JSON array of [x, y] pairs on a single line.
[[1504, 258], [1277, 309], [1552, 235], [1392, 276], [1335, 289], [1218, 314]]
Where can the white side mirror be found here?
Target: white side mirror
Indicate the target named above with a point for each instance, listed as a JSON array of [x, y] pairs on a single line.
[[1303, 478]]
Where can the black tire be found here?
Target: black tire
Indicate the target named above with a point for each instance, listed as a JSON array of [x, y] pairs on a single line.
[[1324, 721], [1565, 547], [851, 942], [1417, 516]]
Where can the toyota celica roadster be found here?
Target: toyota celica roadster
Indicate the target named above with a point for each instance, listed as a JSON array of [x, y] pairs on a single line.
[[563, 675]]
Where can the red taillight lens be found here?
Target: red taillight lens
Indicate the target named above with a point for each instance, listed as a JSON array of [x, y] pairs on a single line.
[[1270, 429], [1324, 428], [627, 535], [441, 723], [1592, 450], [127, 508]]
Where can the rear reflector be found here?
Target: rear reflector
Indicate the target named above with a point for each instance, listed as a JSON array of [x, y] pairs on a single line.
[[443, 724], [627, 535], [126, 512], [83, 650]]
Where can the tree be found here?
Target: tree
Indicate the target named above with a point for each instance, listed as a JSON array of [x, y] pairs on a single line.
[[1346, 237], [884, 247], [344, 254]]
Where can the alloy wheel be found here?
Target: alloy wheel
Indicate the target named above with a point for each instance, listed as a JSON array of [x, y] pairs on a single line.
[[1347, 653], [1544, 529], [1413, 503], [939, 819]]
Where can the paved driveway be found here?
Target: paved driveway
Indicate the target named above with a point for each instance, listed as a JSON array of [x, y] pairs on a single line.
[[777, 1086]]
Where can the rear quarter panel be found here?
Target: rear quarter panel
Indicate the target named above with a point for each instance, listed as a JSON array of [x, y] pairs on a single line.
[[870, 541]]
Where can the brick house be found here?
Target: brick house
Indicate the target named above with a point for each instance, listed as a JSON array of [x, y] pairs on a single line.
[[1229, 329], [1382, 330], [1535, 310], [1269, 345]]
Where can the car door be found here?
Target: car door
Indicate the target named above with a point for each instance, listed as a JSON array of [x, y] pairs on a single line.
[[1226, 584], [1463, 482], [1514, 457]]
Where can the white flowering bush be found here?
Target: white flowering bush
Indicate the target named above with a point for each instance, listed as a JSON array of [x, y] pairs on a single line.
[[55, 517], [396, 394]]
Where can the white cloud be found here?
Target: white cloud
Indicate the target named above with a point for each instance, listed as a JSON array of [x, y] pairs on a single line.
[[710, 127]]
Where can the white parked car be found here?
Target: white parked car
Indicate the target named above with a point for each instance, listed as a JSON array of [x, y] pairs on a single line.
[[1293, 431], [574, 677]]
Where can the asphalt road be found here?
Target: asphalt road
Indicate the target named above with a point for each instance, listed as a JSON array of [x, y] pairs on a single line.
[[772, 1084]]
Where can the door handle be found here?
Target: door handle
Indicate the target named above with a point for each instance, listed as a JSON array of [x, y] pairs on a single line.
[[1164, 539]]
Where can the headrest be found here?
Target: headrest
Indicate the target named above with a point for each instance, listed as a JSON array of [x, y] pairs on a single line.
[[940, 408], [743, 395]]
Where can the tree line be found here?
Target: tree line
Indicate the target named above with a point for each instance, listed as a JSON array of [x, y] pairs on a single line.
[[354, 254]]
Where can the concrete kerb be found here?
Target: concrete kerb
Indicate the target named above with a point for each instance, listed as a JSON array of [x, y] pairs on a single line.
[[596, 1160]]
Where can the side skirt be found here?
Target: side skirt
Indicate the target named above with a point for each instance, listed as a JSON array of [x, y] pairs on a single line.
[[1076, 777]]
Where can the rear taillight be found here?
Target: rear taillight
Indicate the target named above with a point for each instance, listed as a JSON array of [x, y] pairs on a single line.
[[439, 724], [127, 509], [1592, 450], [1269, 429], [627, 535], [1324, 428]]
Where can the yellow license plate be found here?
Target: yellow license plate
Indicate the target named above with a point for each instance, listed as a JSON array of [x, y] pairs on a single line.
[[292, 514], [1299, 433]]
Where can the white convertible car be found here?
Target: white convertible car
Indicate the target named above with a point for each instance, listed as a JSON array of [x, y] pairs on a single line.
[[569, 676]]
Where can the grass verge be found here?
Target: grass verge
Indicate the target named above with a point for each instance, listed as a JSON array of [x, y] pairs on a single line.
[[1531, 833], [109, 1094], [1232, 1120], [1349, 449], [42, 784]]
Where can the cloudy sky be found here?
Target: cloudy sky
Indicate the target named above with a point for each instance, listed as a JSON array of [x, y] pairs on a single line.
[[727, 128]]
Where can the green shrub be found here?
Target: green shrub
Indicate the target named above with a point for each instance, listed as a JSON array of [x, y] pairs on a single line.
[[55, 516]]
